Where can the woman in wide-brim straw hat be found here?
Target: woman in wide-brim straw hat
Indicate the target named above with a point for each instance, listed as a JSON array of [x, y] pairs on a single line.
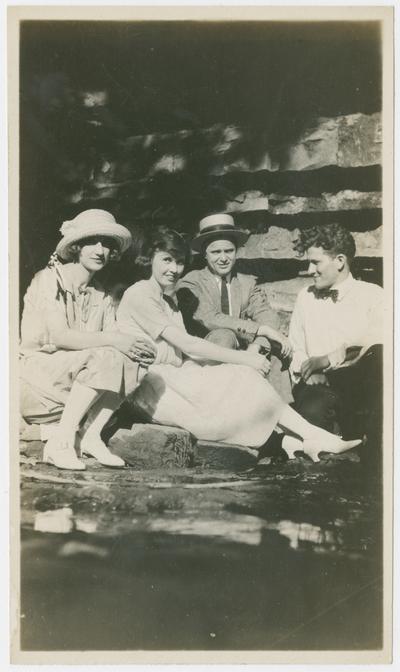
[[74, 362]]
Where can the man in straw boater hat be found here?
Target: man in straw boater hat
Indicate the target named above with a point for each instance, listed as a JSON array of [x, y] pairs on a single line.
[[227, 307]]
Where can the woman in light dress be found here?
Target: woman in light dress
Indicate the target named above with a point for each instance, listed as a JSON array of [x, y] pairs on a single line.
[[214, 392], [73, 361]]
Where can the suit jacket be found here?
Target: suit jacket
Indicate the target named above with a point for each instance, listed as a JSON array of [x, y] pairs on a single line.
[[200, 303]]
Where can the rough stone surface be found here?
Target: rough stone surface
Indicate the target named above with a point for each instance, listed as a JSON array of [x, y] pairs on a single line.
[[343, 200], [317, 147], [248, 200], [277, 243], [153, 446], [350, 140], [360, 140], [212, 455], [282, 295], [369, 244], [180, 177]]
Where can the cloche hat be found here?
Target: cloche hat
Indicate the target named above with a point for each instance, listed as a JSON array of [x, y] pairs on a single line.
[[215, 227], [91, 223]]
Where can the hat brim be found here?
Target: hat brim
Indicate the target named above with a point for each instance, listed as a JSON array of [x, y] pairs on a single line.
[[239, 235], [117, 232]]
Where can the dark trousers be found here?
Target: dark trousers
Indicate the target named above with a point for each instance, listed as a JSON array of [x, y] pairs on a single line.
[[353, 402], [352, 405]]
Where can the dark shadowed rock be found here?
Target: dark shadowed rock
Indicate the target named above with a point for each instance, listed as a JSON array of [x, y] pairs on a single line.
[[153, 446], [213, 455]]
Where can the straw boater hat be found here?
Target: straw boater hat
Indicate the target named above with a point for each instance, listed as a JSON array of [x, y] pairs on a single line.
[[218, 227], [92, 223]]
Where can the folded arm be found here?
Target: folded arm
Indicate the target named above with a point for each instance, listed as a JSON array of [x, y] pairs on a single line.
[[61, 337], [347, 353], [199, 310], [259, 308]]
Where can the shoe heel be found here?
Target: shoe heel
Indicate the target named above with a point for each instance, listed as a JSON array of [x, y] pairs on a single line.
[[312, 450], [290, 452], [291, 446]]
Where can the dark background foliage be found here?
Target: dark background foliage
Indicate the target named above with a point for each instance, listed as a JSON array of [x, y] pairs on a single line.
[[88, 88]]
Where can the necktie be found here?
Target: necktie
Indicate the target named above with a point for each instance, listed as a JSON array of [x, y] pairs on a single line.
[[324, 293], [224, 297]]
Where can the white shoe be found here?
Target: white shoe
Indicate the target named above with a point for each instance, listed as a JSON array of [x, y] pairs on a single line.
[[61, 455], [291, 446], [98, 450], [327, 443]]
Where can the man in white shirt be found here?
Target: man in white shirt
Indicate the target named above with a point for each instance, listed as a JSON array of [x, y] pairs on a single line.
[[227, 307], [335, 333]]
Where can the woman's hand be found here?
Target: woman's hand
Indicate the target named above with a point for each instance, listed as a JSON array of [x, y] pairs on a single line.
[[138, 348], [257, 362]]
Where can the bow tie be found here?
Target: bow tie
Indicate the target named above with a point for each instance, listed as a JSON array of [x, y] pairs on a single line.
[[324, 293]]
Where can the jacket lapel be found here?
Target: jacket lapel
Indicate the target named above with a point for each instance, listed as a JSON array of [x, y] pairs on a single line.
[[212, 286]]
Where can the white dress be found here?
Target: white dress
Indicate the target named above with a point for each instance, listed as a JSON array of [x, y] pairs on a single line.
[[219, 402]]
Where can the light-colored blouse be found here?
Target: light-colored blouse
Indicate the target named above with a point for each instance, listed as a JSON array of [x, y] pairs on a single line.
[[144, 309], [51, 294]]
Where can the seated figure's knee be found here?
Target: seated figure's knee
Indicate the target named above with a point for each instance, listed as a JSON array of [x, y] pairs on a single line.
[[102, 369], [224, 337], [372, 362], [105, 356]]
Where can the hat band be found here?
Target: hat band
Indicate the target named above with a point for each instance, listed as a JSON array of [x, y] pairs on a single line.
[[228, 228]]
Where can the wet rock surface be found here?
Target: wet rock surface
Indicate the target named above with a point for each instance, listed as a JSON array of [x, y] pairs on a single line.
[[225, 555]]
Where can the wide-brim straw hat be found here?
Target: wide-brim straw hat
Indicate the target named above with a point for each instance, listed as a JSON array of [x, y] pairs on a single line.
[[92, 223], [218, 227]]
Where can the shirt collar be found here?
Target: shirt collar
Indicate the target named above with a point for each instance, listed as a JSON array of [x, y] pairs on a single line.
[[218, 278], [64, 281], [344, 287]]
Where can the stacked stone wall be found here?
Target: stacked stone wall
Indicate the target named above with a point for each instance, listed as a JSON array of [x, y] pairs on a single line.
[[331, 173]]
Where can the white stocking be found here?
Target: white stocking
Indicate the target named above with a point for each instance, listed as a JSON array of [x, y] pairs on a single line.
[[292, 422], [100, 413], [79, 400]]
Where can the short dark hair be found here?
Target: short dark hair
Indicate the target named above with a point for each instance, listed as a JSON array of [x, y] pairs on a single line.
[[161, 239], [333, 238]]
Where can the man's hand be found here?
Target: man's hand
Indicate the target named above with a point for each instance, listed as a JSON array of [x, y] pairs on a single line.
[[314, 365]]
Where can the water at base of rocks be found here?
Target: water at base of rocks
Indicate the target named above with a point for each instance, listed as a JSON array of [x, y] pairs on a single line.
[[286, 557]]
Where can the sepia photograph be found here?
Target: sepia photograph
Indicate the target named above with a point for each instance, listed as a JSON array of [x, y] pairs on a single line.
[[201, 290]]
